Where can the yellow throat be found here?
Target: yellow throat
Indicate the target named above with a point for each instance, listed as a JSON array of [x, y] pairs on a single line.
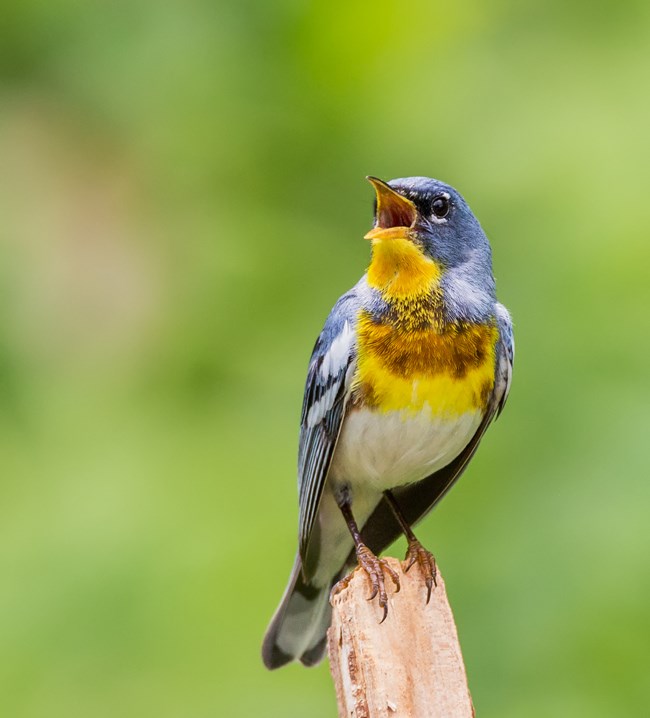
[[411, 359]]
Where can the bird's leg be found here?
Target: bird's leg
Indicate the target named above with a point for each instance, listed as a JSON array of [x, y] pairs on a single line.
[[371, 564], [416, 553]]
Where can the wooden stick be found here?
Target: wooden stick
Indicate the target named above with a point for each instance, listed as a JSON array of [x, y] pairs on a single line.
[[410, 666]]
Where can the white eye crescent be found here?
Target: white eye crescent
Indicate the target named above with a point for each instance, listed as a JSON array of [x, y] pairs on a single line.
[[440, 206]]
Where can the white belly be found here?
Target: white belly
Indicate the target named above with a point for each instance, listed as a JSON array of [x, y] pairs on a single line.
[[382, 450], [378, 451]]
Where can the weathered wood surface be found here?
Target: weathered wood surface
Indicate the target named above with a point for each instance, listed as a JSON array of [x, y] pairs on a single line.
[[410, 666]]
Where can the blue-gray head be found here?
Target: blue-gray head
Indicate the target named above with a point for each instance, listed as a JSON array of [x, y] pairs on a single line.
[[437, 216], [434, 218]]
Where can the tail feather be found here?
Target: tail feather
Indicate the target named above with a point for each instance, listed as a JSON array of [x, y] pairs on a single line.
[[299, 627]]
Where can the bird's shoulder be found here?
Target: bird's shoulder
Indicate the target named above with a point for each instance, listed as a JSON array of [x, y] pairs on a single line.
[[333, 357], [345, 314]]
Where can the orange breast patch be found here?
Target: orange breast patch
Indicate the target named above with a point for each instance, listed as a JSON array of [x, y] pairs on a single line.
[[449, 369]]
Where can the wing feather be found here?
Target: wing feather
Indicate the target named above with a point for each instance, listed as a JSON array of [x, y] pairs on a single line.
[[324, 405]]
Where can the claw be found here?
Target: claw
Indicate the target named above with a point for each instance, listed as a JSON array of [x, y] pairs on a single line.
[[340, 586], [410, 563], [416, 553], [375, 568], [385, 615]]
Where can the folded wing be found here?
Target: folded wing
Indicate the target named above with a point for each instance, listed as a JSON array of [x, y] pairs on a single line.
[[326, 393]]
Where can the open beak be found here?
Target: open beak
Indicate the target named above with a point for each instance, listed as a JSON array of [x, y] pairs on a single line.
[[396, 215]]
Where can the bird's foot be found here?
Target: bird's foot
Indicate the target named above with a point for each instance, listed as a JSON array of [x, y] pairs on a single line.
[[416, 553], [374, 568]]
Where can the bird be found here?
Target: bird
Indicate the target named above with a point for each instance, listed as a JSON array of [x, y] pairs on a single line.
[[412, 365]]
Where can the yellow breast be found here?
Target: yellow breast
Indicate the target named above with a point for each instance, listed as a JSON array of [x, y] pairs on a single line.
[[450, 371]]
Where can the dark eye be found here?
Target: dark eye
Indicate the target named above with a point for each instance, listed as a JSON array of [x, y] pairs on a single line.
[[440, 206]]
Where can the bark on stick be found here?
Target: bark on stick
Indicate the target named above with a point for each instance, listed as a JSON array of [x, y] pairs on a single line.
[[410, 666]]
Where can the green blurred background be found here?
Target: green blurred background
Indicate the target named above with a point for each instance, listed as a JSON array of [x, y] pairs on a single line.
[[182, 199]]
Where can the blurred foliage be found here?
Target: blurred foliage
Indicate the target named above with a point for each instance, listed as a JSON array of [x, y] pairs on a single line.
[[182, 201]]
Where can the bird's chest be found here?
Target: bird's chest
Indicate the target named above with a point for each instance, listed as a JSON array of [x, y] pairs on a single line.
[[445, 372], [382, 450], [418, 396]]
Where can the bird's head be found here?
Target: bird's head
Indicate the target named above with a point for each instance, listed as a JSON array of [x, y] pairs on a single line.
[[423, 226]]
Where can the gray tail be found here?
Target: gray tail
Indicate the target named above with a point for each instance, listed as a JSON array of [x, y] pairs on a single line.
[[298, 630]]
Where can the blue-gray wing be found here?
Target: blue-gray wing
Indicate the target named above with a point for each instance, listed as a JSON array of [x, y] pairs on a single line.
[[505, 358], [416, 500], [326, 393]]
